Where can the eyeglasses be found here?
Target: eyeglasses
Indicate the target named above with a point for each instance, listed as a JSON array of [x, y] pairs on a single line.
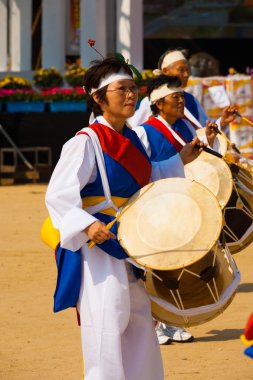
[[124, 90], [177, 97]]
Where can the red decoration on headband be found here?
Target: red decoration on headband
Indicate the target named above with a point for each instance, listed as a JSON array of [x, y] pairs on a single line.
[[91, 42]]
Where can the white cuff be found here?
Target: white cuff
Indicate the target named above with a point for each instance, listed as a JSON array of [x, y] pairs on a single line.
[[72, 228], [173, 167]]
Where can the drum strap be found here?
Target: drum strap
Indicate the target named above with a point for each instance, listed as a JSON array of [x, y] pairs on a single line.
[[192, 119], [101, 167], [49, 234]]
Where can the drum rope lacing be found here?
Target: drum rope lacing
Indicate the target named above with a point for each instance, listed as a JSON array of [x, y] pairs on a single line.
[[214, 292], [195, 121], [227, 230]]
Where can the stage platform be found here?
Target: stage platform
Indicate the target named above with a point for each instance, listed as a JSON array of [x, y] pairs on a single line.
[[47, 129]]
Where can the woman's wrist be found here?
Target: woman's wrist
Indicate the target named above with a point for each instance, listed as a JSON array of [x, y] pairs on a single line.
[[223, 124]]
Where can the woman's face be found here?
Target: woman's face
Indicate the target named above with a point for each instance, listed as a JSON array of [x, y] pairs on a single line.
[[122, 96], [172, 107], [179, 69]]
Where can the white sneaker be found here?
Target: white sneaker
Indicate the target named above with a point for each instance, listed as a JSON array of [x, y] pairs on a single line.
[[176, 334], [162, 338]]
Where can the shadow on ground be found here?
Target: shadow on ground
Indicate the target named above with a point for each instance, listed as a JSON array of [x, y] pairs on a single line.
[[245, 288], [220, 335]]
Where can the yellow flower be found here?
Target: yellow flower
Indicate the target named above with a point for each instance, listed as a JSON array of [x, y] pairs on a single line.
[[14, 82]]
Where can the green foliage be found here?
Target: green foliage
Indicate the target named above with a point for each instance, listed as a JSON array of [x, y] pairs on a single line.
[[48, 78], [74, 77]]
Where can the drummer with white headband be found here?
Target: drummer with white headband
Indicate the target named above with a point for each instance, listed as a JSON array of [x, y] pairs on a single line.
[[158, 133], [174, 63], [99, 169], [161, 141]]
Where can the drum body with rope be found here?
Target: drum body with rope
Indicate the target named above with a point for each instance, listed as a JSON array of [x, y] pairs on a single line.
[[197, 293], [171, 231], [235, 187], [222, 144], [244, 166], [227, 183], [238, 229]]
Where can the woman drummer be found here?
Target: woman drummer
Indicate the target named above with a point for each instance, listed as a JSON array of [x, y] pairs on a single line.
[[118, 338], [159, 134], [174, 63]]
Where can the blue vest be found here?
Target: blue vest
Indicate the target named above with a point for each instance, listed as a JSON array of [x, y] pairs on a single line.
[[122, 184]]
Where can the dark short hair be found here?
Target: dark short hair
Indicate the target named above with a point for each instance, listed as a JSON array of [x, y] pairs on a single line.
[[171, 81], [93, 76], [182, 50]]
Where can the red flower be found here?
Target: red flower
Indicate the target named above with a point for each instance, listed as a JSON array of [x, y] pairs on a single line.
[[91, 42]]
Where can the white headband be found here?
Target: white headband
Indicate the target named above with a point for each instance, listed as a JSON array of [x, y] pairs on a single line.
[[170, 58], [111, 78], [163, 91]]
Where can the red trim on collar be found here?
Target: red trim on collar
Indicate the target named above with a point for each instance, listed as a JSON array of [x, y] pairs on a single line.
[[122, 150], [157, 124]]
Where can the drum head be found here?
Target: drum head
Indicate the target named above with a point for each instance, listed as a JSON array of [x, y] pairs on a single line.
[[213, 173], [171, 225], [201, 132]]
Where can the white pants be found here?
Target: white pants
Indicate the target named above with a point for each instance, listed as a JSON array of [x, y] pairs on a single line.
[[118, 336]]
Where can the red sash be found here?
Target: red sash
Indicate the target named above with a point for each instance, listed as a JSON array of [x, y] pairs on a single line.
[[122, 150], [157, 124]]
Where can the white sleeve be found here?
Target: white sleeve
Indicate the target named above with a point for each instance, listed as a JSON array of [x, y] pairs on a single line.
[[218, 123], [75, 168], [142, 114], [141, 133], [173, 167], [216, 144]]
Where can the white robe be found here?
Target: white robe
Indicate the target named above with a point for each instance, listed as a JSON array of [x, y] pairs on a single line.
[[118, 337]]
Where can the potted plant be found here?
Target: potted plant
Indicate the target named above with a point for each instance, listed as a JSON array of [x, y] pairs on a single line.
[[14, 83], [146, 75], [47, 78], [65, 99], [74, 76], [10, 83], [22, 100]]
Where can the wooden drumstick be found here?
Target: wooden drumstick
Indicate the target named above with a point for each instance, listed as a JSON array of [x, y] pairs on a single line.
[[243, 118], [214, 153], [109, 225], [208, 150], [234, 147]]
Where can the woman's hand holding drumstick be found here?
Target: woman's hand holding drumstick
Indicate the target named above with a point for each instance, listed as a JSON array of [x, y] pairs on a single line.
[[101, 231], [191, 150], [98, 232]]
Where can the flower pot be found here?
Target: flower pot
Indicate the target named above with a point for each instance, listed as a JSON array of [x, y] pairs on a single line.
[[32, 106], [68, 106]]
